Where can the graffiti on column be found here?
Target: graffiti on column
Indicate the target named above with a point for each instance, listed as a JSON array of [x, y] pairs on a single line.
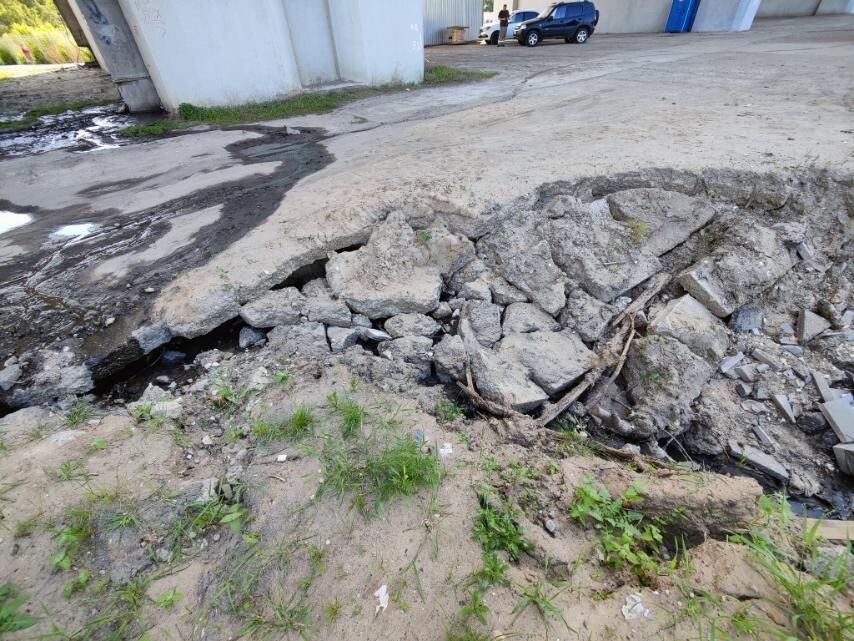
[[150, 15]]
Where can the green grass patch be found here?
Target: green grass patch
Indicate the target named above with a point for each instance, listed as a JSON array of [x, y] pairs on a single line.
[[496, 527], [443, 74], [374, 471], [76, 531], [627, 539], [352, 414], [638, 228], [300, 424], [779, 551], [446, 410], [11, 617], [319, 102]]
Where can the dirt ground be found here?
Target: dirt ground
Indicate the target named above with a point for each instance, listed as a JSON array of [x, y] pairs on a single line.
[[64, 85]]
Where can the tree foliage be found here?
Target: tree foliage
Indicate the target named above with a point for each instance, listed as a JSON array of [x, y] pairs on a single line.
[[28, 16]]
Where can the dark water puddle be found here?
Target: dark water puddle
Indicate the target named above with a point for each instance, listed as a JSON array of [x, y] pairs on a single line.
[[83, 130]]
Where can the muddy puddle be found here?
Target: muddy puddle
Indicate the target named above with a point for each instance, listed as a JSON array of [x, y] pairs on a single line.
[[84, 130]]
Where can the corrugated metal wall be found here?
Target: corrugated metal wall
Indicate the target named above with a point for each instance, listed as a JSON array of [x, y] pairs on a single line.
[[441, 14]]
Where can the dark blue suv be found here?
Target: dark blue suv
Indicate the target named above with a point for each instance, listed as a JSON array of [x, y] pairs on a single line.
[[572, 21]]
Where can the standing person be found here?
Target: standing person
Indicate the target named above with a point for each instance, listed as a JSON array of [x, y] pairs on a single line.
[[503, 22]]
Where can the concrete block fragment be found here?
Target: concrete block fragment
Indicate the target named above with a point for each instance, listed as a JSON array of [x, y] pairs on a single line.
[[827, 394], [810, 325], [844, 453], [743, 389], [763, 437], [760, 460], [747, 373], [726, 365], [761, 393], [840, 415], [767, 359], [689, 322], [781, 401]]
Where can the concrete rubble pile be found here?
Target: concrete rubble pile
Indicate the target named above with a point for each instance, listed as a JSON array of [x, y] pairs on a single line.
[[722, 366]]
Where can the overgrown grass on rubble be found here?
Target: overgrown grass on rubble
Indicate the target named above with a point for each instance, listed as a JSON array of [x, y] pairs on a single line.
[[45, 47], [782, 550], [627, 538], [318, 102]]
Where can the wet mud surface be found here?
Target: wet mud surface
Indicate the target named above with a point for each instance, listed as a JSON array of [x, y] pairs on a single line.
[[47, 280], [82, 131]]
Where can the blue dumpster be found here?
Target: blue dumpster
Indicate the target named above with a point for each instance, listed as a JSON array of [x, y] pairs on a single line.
[[682, 15]]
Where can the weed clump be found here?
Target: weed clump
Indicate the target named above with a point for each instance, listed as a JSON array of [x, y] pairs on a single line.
[[447, 411], [375, 472], [496, 527], [626, 537]]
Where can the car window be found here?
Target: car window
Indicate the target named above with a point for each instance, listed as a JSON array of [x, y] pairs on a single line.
[[516, 17], [547, 11], [559, 12], [574, 10], [530, 15]]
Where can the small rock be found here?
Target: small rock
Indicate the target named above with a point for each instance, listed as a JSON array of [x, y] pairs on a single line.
[[207, 441], [787, 329], [485, 321], [746, 318], [810, 325], [743, 389], [551, 526], [109, 321], [754, 406], [163, 379], [794, 350], [522, 318], [761, 394], [477, 289], [781, 401], [763, 437], [812, 422], [688, 321], [250, 337], [747, 373], [442, 311], [360, 320], [149, 290], [767, 359], [728, 364], [375, 335], [9, 376], [411, 325], [341, 338]]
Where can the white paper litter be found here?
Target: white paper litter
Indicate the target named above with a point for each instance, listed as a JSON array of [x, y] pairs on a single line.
[[281, 458], [634, 609], [382, 595], [446, 450]]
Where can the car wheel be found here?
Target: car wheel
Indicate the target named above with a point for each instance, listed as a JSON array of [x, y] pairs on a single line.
[[582, 35], [532, 39], [493, 39]]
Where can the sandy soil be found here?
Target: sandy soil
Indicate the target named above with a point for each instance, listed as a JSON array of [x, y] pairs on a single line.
[[316, 551], [64, 85]]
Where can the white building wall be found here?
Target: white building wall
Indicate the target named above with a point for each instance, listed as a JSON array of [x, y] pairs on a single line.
[[214, 52], [787, 8], [311, 36], [222, 52], [378, 42], [726, 15], [835, 6]]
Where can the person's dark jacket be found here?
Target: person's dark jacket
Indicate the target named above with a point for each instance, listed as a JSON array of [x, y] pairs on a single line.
[[504, 17]]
